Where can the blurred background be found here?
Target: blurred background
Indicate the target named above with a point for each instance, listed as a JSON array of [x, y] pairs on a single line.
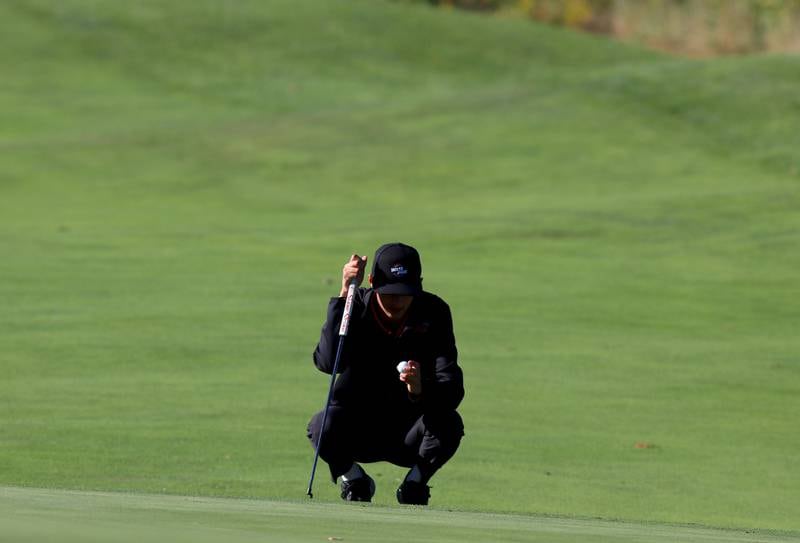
[[691, 27]]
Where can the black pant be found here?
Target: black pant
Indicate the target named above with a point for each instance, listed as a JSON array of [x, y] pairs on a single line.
[[357, 436]]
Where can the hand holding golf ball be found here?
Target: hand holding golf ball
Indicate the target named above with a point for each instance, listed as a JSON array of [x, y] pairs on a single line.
[[410, 375]]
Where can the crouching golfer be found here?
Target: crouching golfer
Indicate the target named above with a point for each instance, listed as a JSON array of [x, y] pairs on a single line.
[[383, 410]]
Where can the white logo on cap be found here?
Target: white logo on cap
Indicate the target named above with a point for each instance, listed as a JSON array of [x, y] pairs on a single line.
[[398, 270]]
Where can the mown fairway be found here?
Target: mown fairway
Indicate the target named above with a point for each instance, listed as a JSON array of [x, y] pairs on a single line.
[[616, 232], [70, 516]]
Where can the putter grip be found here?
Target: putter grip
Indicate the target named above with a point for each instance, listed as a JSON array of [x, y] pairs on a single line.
[[348, 308]]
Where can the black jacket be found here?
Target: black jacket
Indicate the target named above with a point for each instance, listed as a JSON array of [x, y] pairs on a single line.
[[368, 366]]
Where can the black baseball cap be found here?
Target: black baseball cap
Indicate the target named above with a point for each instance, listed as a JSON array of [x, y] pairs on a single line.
[[396, 269]]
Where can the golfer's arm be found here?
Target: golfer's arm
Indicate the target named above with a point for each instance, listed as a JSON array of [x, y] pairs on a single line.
[[449, 386], [325, 352]]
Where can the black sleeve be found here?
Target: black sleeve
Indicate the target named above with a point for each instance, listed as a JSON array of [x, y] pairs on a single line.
[[325, 352], [448, 384]]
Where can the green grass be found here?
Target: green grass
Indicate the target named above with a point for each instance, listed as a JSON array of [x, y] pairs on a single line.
[[616, 232], [70, 516]]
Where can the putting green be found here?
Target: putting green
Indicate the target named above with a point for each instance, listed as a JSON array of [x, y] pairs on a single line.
[[65, 516]]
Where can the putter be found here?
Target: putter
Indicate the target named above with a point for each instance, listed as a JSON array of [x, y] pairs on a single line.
[[348, 307]]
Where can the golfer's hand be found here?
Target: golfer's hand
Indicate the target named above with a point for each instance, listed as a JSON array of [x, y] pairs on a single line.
[[411, 377], [353, 271]]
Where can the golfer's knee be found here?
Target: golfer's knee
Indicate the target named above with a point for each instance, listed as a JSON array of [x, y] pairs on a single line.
[[446, 426], [336, 424]]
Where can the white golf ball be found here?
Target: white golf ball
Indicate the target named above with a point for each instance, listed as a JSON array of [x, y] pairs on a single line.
[[401, 367]]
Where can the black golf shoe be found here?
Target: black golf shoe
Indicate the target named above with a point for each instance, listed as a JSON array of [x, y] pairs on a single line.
[[358, 490], [413, 493]]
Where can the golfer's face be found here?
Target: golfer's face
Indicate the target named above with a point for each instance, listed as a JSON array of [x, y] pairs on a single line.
[[395, 305]]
